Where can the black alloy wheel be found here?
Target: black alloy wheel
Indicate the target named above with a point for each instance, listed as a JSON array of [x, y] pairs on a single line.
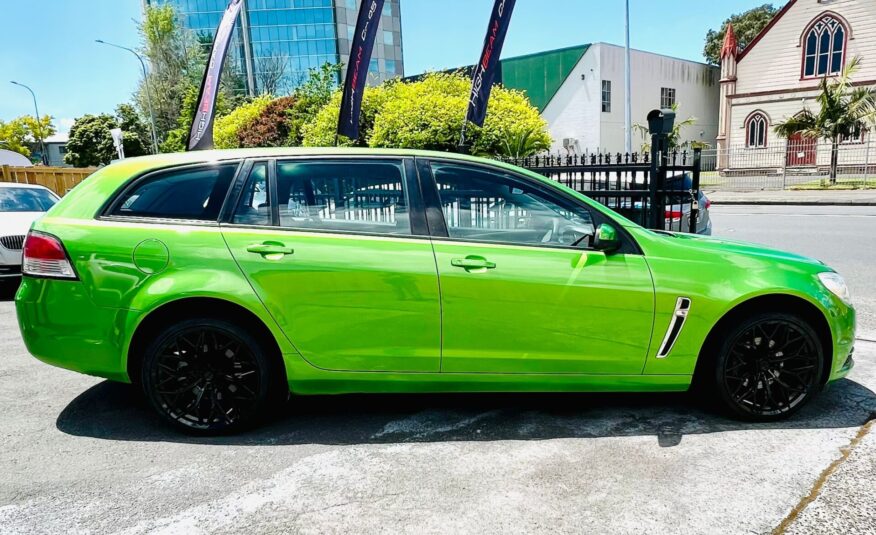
[[769, 367], [208, 376]]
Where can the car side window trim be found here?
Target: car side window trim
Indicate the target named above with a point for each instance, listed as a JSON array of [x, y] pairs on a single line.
[[113, 203], [438, 223]]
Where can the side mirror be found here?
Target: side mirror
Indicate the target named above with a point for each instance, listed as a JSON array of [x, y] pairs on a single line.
[[606, 239]]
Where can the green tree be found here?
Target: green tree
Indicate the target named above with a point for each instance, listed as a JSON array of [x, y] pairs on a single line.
[[310, 97], [14, 136], [90, 142], [428, 114], [176, 140], [225, 128], [136, 137], [21, 133], [177, 60], [746, 26], [842, 110]]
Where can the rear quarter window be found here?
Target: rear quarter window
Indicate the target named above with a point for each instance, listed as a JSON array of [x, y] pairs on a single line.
[[193, 193]]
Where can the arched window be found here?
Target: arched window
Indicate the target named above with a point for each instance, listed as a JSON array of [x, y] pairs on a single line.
[[756, 130], [824, 47]]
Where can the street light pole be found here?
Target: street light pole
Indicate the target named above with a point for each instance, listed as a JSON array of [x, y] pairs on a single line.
[[44, 156], [148, 92]]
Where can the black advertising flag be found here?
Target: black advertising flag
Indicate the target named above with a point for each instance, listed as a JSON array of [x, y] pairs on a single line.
[[357, 68], [485, 70], [201, 134]]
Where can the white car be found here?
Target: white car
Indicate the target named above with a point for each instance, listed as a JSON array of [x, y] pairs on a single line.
[[20, 206]]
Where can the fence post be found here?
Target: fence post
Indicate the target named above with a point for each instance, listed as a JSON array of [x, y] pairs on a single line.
[[867, 161], [695, 189], [785, 164], [659, 159]]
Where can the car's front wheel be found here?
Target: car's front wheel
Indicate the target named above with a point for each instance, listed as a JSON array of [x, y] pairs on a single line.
[[768, 366], [209, 376]]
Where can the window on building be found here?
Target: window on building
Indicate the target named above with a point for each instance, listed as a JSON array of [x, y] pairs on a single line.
[[855, 136], [387, 9], [391, 67], [606, 96], [667, 97], [388, 38], [824, 48], [756, 131]]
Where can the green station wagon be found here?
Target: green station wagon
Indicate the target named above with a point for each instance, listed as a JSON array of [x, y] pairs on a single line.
[[220, 281]]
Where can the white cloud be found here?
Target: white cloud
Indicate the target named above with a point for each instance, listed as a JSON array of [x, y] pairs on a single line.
[[64, 124]]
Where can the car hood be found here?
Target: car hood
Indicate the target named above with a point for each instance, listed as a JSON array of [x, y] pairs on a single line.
[[725, 246], [17, 223]]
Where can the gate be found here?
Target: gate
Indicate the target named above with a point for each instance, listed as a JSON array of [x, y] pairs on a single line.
[[800, 151]]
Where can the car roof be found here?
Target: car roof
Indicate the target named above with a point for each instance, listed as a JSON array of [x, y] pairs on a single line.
[[204, 156], [20, 185]]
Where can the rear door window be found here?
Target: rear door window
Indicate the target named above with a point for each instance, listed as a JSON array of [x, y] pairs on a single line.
[[345, 196], [193, 193]]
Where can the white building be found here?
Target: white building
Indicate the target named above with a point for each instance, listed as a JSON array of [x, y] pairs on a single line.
[[586, 112], [778, 74]]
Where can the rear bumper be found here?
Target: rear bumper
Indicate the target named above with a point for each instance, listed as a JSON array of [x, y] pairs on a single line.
[[60, 325]]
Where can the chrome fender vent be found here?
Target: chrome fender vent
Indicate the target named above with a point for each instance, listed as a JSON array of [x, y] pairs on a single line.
[[682, 307]]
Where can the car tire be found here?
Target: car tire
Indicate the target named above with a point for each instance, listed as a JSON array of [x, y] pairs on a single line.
[[208, 376], [767, 367]]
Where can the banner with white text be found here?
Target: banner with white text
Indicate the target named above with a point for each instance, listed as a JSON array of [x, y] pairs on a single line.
[[201, 134], [484, 73], [357, 68]]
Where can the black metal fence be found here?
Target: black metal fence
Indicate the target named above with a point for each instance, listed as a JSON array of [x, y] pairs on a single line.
[[658, 191]]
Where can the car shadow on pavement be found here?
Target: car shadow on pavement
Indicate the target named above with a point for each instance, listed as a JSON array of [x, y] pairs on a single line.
[[8, 289], [116, 411]]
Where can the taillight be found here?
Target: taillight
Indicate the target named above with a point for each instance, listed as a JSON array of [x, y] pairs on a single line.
[[673, 214], [44, 256], [708, 204]]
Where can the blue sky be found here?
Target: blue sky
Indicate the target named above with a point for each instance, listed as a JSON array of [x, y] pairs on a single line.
[[49, 44]]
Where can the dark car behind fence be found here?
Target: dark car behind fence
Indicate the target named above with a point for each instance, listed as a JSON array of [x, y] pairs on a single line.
[[641, 187]]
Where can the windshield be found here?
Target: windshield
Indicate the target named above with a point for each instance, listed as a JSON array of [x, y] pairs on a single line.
[[26, 200]]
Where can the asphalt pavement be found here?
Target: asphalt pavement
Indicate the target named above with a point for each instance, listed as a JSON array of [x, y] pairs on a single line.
[[85, 455]]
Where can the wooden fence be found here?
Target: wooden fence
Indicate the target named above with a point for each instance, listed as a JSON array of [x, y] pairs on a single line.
[[58, 179]]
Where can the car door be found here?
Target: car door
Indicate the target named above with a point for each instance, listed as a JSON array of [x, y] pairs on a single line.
[[338, 251], [520, 291]]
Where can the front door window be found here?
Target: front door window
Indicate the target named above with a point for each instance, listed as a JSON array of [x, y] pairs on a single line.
[[485, 206]]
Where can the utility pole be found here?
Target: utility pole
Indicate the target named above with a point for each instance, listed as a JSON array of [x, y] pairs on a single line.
[[44, 156], [628, 113], [148, 92]]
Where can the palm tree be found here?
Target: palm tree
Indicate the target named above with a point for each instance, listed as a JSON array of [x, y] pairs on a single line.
[[520, 143], [843, 110]]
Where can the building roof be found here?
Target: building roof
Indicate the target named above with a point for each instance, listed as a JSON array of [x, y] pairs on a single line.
[[731, 44], [541, 74], [57, 138], [766, 28]]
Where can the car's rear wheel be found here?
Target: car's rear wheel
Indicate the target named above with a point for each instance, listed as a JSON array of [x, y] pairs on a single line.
[[768, 366], [209, 376]]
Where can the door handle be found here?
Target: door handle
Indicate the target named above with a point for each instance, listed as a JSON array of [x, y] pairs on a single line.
[[472, 262], [268, 249]]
